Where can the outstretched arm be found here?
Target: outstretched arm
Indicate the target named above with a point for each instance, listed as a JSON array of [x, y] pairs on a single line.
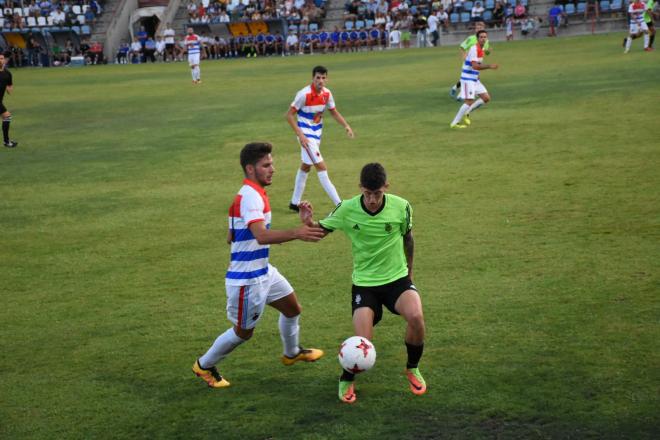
[[270, 236], [409, 250], [307, 216]]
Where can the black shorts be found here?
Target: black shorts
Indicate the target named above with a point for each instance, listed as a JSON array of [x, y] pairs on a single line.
[[2, 108], [375, 297], [649, 23], [169, 46]]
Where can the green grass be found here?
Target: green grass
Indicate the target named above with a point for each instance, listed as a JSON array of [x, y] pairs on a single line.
[[537, 248]]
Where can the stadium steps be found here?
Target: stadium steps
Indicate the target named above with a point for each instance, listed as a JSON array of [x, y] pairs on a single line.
[[100, 29], [334, 15]]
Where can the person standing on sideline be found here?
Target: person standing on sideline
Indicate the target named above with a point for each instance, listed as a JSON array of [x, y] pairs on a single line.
[[470, 84], [465, 47], [251, 281], [169, 35], [6, 85], [305, 116], [194, 47], [379, 226]]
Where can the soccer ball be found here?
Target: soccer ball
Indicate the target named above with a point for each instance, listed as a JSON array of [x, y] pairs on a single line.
[[357, 354]]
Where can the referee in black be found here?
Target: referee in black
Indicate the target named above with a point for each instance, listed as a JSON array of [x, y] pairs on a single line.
[[6, 85]]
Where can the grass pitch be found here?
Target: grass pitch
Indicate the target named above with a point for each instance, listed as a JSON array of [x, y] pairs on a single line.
[[537, 247]]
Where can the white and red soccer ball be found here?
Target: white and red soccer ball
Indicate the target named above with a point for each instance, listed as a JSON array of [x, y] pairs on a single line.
[[357, 354]]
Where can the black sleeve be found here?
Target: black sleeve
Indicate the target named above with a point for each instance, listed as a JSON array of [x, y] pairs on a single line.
[[9, 80]]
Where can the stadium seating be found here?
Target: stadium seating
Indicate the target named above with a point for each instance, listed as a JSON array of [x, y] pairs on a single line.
[[616, 5], [581, 7], [569, 8], [604, 6]]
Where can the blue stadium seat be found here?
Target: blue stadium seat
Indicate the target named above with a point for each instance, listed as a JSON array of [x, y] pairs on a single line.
[[454, 17], [370, 23], [570, 8], [359, 24], [465, 17], [524, 3], [76, 29], [487, 16], [605, 6], [319, 3], [348, 25], [468, 5], [294, 28], [490, 4], [616, 5], [86, 30], [581, 7], [313, 27]]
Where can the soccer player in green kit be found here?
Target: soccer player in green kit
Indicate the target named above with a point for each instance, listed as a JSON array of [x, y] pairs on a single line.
[[465, 48], [379, 226]]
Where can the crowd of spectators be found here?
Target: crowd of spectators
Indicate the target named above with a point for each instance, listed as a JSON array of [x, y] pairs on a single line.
[[40, 13], [297, 12]]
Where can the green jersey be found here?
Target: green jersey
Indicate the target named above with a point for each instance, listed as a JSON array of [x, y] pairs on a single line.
[[650, 4], [377, 238], [471, 41]]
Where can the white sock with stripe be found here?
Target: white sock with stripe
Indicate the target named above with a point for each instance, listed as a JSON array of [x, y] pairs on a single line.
[[646, 40], [299, 188], [329, 187], [461, 112], [475, 105], [223, 345], [289, 330]]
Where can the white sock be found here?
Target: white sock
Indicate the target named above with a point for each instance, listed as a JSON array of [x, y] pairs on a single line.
[[329, 187], [461, 112], [223, 345], [646, 41], [475, 105], [192, 72], [289, 330], [199, 73], [299, 188], [628, 43]]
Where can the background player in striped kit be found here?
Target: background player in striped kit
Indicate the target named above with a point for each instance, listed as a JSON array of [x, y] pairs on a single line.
[[251, 282], [471, 86], [305, 116], [194, 47]]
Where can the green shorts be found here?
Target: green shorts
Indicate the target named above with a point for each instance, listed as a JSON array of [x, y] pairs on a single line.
[[405, 36]]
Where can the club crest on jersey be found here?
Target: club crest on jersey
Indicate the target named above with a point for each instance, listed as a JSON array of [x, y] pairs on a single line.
[[356, 227], [317, 117], [358, 299], [388, 228]]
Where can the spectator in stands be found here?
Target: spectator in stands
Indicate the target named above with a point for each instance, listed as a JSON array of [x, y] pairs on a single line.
[[447, 5], [95, 6], [519, 12], [530, 26], [122, 53], [17, 22], [32, 49], [292, 44], [404, 24], [592, 8], [498, 14], [395, 39], [95, 53], [477, 12], [192, 9], [169, 35], [90, 18], [433, 23], [508, 11], [149, 51], [351, 10], [58, 17], [555, 15], [160, 48], [135, 55], [419, 28], [223, 17], [443, 18], [142, 36], [16, 56], [380, 19]]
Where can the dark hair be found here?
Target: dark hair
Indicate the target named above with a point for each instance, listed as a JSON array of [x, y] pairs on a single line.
[[319, 69], [254, 152], [373, 176], [481, 32]]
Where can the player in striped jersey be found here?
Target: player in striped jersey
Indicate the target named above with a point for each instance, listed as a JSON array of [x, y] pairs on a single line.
[[471, 87], [465, 46], [305, 116], [251, 282], [638, 26], [194, 47]]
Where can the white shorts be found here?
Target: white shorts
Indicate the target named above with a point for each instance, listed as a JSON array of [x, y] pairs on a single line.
[[312, 154], [472, 89], [245, 304], [193, 59], [636, 28]]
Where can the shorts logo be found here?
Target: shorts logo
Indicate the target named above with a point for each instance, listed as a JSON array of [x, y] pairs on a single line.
[[255, 316], [388, 228], [358, 299]]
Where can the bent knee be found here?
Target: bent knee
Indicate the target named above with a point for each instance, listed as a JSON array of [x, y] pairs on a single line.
[[243, 333]]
